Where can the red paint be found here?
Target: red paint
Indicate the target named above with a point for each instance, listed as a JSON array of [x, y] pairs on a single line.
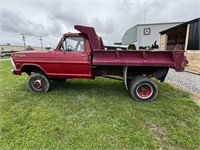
[[173, 59], [80, 64], [144, 91]]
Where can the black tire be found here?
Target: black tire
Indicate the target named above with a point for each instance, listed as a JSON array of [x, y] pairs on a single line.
[[38, 83], [143, 89]]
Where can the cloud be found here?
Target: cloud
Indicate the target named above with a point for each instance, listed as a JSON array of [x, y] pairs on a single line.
[[14, 23], [111, 18]]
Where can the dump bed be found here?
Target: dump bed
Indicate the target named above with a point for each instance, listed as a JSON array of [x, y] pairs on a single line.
[[101, 57], [172, 59]]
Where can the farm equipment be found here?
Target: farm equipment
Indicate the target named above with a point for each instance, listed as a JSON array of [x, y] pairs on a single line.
[[82, 55]]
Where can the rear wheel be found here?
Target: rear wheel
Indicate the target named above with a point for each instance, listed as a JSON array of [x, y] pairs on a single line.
[[38, 83], [143, 89]]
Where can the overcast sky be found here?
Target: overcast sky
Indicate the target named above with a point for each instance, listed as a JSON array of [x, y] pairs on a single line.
[[111, 18]]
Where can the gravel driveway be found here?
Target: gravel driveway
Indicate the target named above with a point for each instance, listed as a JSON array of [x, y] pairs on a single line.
[[187, 81]]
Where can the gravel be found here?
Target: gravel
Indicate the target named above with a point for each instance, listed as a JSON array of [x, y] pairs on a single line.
[[185, 80]]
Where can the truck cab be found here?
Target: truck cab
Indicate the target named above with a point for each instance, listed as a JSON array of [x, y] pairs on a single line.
[[73, 57], [70, 59]]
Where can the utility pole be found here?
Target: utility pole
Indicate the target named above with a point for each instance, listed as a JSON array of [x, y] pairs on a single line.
[[40, 38], [23, 38]]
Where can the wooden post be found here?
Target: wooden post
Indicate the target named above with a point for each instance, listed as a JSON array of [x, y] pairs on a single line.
[[187, 37], [163, 41]]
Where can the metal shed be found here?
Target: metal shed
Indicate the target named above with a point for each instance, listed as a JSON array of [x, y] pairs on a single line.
[[186, 37], [185, 34]]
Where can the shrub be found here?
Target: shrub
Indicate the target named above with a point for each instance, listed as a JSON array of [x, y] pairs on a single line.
[[131, 47]]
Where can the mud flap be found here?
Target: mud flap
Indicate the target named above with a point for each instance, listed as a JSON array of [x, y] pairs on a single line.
[[161, 73]]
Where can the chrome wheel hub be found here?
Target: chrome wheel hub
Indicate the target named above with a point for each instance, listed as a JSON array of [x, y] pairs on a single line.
[[37, 84]]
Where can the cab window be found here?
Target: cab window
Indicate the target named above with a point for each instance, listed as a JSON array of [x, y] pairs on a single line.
[[72, 44]]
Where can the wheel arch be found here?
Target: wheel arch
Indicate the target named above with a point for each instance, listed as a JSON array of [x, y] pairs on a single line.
[[151, 71], [29, 68]]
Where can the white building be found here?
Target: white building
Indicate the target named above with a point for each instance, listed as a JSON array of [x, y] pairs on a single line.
[[146, 34]]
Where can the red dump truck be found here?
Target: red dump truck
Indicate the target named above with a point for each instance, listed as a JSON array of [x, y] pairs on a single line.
[[82, 55]]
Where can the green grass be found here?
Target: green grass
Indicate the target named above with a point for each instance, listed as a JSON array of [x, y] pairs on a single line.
[[93, 114]]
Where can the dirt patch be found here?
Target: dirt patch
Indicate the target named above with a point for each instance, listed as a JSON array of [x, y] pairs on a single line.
[[193, 58], [196, 98], [159, 134]]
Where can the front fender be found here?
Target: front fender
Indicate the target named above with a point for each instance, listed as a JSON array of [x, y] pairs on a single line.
[[25, 67]]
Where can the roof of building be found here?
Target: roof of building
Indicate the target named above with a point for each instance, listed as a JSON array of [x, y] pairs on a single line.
[[158, 23], [154, 24], [179, 26]]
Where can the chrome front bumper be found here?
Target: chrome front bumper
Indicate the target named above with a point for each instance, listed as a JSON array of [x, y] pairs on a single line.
[[12, 71], [13, 64]]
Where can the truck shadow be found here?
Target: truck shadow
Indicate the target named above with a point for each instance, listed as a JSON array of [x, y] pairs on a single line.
[[95, 87]]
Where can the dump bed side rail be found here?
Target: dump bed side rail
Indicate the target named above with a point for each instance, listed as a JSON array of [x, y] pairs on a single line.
[[172, 59]]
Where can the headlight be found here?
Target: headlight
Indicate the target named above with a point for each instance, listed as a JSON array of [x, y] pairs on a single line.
[[13, 64]]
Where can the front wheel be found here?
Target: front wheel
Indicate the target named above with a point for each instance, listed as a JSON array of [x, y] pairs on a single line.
[[143, 89], [38, 83]]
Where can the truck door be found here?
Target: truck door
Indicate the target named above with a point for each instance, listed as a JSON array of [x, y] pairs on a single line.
[[72, 59]]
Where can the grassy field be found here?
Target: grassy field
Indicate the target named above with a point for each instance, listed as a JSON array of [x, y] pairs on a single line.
[[93, 114]]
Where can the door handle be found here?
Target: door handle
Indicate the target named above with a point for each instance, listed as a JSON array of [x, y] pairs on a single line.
[[83, 55]]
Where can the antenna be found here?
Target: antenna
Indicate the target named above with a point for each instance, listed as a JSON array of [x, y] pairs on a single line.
[[40, 38], [23, 38]]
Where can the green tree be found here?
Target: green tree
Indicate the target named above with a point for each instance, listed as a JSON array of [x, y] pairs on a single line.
[[131, 47]]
